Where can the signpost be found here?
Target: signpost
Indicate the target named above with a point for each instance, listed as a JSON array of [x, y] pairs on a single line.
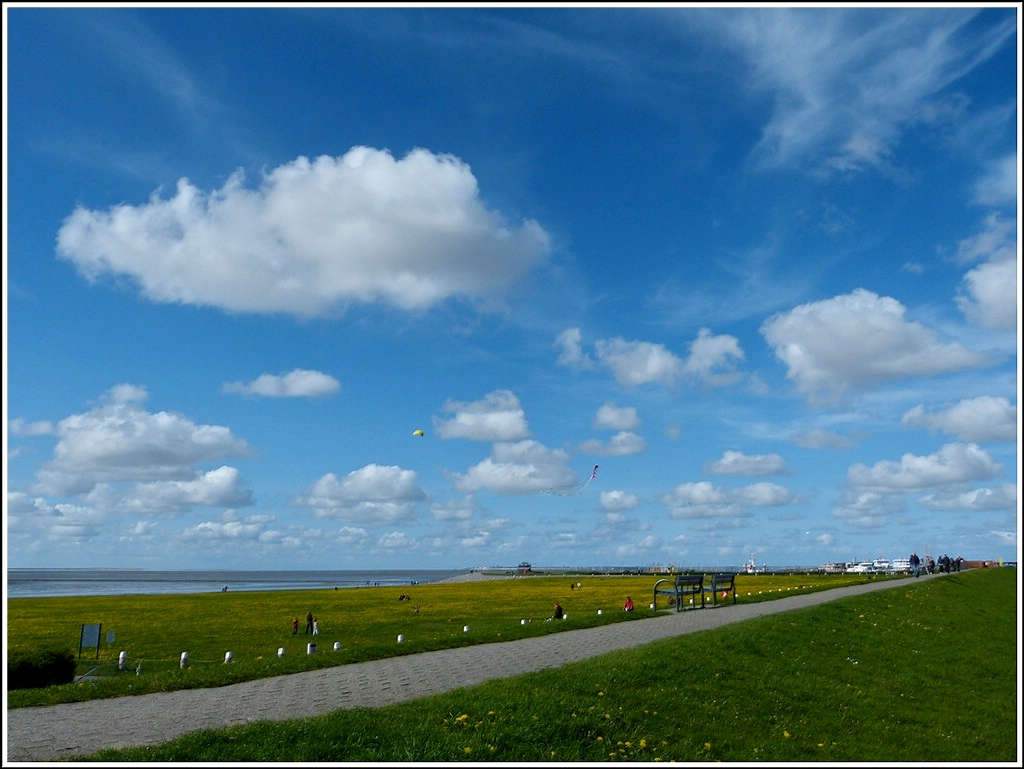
[[90, 638]]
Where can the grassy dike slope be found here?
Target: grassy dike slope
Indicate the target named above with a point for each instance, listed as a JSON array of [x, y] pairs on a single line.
[[922, 672], [153, 630]]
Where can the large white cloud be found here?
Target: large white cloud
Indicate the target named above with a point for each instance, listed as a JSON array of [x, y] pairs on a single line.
[[976, 500], [954, 463], [371, 494], [989, 293], [498, 417], [856, 341], [120, 441], [973, 419], [230, 528], [314, 237], [523, 467], [633, 363], [705, 500], [612, 417], [217, 488]]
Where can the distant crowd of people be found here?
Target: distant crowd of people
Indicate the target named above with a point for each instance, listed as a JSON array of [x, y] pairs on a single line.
[[945, 564]]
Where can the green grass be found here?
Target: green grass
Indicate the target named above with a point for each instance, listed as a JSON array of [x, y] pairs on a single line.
[[154, 630], [926, 671]]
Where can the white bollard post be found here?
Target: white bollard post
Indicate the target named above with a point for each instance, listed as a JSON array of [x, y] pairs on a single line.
[[598, 612], [401, 638], [522, 622], [184, 660], [228, 656], [311, 648], [280, 651], [565, 616], [465, 628], [122, 660], [337, 645], [652, 607]]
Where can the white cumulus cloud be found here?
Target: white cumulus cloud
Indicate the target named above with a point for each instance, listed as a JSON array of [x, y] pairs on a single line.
[[298, 383], [953, 463], [738, 463], [612, 417], [372, 494], [856, 341], [973, 419], [314, 237], [523, 467], [711, 361], [498, 417], [705, 500], [120, 441], [989, 294]]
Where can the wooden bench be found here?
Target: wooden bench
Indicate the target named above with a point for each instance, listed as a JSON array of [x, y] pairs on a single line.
[[721, 583], [678, 588]]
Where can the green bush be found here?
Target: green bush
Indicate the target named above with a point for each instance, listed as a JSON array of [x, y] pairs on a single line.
[[39, 669]]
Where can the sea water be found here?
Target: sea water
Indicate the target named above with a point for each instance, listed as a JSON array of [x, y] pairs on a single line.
[[37, 583]]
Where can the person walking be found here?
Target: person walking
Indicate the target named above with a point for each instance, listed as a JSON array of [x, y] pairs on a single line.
[[915, 564], [309, 623]]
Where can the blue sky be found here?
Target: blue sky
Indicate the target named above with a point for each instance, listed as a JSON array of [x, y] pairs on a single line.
[[759, 265]]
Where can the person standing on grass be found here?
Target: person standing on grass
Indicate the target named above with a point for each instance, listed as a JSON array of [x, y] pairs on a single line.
[[309, 623], [295, 626], [316, 626]]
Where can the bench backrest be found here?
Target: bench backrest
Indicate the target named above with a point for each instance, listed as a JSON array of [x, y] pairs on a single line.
[[722, 580], [689, 580]]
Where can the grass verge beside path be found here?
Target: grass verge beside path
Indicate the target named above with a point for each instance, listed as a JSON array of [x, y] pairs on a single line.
[[153, 630], [923, 672]]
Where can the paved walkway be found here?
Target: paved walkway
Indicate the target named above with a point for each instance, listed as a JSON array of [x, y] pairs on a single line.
[[82, 728]]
